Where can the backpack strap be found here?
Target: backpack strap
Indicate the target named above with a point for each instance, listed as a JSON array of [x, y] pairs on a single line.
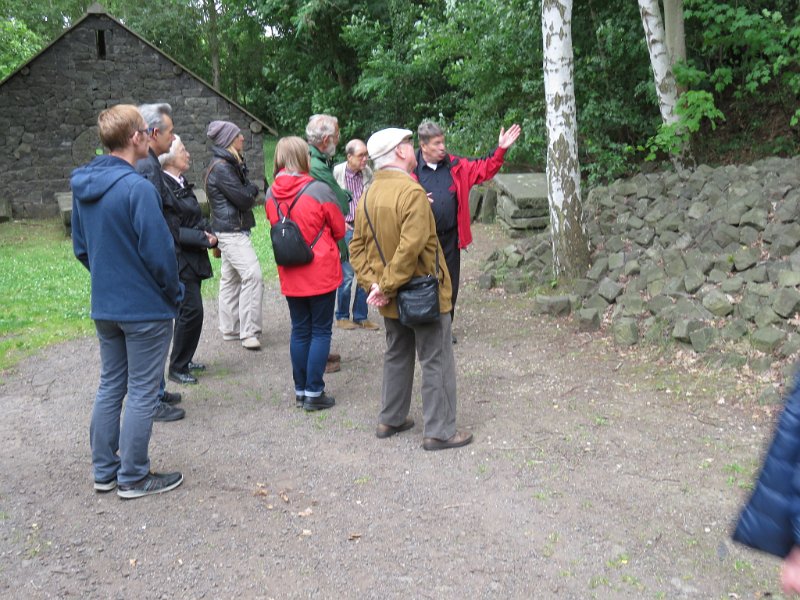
[[208, 173], [282, 217]]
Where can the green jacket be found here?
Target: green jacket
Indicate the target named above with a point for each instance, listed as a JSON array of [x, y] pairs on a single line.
[[322, 170]]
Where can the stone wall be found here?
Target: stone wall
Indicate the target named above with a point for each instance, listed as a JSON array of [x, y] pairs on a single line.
[[50, 107], [709, 259]]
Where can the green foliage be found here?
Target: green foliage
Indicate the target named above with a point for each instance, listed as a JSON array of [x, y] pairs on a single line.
[[17, 44], [748, 56], [693, 108]]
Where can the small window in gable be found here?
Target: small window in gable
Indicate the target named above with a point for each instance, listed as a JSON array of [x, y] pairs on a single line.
[[100, 40]]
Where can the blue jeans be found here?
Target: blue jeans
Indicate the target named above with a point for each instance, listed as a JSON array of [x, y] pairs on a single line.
[[312, 319], [343, 293], [132, 357]]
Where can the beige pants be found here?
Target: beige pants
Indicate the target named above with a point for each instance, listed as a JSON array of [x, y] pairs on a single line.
[[241, 288]]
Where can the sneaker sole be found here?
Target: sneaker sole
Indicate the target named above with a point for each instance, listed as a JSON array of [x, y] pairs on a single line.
[[169, 419], [105, 487], [129, 494], [311, 408]]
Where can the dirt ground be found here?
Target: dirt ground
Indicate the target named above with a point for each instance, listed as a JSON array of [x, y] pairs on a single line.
[[594, 474]]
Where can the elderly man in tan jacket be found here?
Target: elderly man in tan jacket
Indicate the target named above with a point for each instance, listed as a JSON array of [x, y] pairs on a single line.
[[399, 211]]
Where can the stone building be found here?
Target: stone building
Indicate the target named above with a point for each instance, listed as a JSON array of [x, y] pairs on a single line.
[[49, 108]]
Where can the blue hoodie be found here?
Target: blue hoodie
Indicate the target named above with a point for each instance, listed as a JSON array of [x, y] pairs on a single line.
[[120, 236]]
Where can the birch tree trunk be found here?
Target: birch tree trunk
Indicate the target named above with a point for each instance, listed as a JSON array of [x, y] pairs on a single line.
[[666, 89], [674, 29], [570, 245]]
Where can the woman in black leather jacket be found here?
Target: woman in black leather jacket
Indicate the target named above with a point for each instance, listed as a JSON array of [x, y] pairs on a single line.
[[195, 238], [232, 197]]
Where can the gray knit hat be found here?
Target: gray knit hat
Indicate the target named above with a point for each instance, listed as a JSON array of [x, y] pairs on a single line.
[[222, 133]]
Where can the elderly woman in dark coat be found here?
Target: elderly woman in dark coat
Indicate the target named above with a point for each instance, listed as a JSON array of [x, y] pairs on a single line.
[[195, 239]]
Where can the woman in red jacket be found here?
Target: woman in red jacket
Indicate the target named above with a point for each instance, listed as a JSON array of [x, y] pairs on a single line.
[[310, 289]]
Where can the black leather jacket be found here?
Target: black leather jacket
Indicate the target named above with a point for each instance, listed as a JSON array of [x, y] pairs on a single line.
[[230, 194], [193, 262]]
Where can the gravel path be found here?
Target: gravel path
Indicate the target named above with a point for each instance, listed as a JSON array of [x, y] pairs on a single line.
[[593, 475]]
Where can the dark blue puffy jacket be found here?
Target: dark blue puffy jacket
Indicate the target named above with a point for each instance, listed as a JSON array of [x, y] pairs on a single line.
[[770, 521]]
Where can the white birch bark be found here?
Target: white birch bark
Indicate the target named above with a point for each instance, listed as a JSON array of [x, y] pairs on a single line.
[[659, 60], [570, 246], [675, 32]]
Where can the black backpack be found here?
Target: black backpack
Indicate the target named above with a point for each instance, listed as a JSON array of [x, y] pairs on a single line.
[[288, 245]]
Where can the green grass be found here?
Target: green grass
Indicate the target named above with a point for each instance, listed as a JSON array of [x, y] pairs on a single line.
[[45, 297]]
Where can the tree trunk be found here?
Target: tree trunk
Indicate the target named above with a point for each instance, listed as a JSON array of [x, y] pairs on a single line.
[[666, 89], [675, 33], [213, 40], [570, 245]]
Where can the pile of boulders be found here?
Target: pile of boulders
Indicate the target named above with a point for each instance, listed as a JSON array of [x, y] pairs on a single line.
[[709, 258]]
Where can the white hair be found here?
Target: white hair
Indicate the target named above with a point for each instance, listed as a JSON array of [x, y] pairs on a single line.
[[319, 127], [170, 156]]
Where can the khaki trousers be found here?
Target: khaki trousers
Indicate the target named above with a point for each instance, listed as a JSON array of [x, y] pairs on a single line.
[[241, 288]]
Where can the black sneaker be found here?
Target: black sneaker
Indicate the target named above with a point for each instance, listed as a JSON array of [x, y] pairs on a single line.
[[319, 402], [152, 483], [298, 401], [193, 366], [171, 398], [105, 486], [166, 412]]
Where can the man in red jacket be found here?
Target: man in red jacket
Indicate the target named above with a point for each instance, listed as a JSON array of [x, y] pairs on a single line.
[[448, 179]]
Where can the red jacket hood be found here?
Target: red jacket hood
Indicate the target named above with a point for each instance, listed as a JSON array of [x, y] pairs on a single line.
[[286, 187]]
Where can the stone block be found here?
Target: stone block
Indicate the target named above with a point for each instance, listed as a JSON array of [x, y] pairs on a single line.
[[693, 280], [684, 327], [625, 332], [746, 258], [598, 269], [786, 301], [609, 290], [787, 278], [755, 218], [790, 346], [632, 267], [64, 201], [589, 319], [516, 285], [734, 330], [529, 190], [701, 339], [557, 306], [486, 281], [657, 304], [584, 287], [596, 301], [767, 339], [757, 274], [717, 303], [732, 285]]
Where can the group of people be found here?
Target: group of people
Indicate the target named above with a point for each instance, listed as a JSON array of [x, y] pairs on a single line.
[[136, 221]]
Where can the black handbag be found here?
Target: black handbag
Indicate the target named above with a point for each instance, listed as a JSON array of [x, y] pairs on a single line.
[[418, 299]]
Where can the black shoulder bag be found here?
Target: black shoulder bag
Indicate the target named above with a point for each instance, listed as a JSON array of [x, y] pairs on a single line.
[[417, 300]]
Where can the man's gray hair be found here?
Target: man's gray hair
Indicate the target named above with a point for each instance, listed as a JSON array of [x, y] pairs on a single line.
[[352, 146], [428, 130], [320, 126], [168, 157], [154, 114]]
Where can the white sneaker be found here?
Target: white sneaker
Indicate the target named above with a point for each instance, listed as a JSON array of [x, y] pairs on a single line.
[[230, 337], [251, 343]]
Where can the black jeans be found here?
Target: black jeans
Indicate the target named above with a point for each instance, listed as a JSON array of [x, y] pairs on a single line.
[[188, 326], [452, 257]]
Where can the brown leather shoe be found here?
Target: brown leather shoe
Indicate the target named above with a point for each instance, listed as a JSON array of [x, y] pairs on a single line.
[[368, 325], [333, 357], [346, 324], [385, 431], [460, 438], [333, 366]]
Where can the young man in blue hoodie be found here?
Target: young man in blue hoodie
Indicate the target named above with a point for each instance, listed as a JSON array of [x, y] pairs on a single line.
[[120, 236]]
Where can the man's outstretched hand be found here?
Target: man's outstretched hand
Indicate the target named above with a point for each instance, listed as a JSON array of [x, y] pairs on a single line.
[[507, 138]]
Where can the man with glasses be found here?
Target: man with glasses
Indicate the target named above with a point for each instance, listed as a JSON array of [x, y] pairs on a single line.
[[160, 136], [117, 228], [352, 175], [395, 216]]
